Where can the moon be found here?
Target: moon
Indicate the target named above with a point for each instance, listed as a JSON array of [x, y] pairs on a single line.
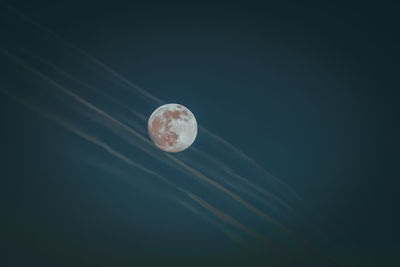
[[172, 127]]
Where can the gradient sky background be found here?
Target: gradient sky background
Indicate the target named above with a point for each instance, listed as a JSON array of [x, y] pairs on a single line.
[[310, 91]]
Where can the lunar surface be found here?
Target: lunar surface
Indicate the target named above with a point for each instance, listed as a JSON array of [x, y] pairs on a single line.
[[172, 127]]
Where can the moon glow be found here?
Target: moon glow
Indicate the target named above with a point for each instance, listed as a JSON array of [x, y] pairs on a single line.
[[172, 127]]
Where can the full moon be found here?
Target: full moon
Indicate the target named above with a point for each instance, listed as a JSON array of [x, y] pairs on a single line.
[[172, 127]]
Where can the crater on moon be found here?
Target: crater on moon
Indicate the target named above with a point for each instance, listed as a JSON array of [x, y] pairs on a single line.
[[172, 127]]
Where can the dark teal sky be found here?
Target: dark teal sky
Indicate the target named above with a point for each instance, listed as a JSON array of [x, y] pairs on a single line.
[[307, 90]]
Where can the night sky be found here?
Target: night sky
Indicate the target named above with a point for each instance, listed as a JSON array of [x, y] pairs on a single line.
[[309, 91]]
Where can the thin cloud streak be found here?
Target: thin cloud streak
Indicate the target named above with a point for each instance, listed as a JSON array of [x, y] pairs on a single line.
[[226, 218], [232, 195], [85, 136], [80, 51], [228, 233]]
